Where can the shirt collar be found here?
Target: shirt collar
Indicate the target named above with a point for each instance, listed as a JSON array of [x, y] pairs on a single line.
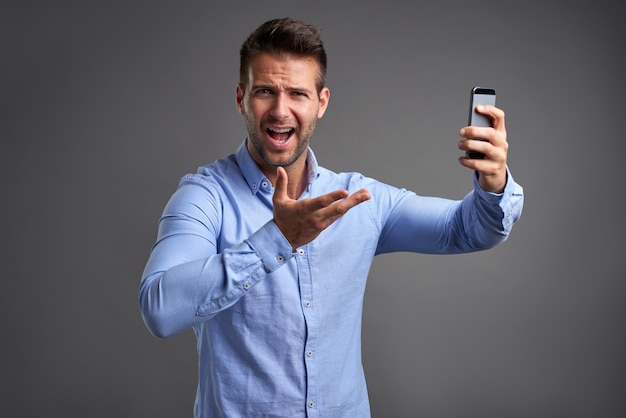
[[254, 176]]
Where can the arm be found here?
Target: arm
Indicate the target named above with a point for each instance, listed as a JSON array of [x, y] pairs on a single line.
[[481, 220], [185, 280], [434, 225]]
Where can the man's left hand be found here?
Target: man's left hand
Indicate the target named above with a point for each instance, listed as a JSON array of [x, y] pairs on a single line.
[[492, 169]]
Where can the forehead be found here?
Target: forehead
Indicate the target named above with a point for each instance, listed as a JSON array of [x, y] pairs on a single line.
[[283, 69]]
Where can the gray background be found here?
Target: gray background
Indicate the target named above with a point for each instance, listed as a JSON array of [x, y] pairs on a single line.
[[106, 105]]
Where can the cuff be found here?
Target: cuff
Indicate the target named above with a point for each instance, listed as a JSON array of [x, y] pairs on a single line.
[[271, 246]]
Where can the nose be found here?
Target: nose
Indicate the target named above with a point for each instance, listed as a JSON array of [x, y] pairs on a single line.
[[280, 108]]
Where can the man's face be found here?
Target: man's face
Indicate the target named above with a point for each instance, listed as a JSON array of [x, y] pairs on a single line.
[[281, 106]]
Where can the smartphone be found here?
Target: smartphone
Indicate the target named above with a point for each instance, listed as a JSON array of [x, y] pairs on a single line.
[[480, 96]]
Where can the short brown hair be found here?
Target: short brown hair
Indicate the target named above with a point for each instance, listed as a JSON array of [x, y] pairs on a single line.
[[284, 36]]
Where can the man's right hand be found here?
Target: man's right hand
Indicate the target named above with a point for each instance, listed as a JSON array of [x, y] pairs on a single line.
[[301, 221]]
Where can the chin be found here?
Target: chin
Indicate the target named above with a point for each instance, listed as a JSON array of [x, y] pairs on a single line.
[[280, 162]]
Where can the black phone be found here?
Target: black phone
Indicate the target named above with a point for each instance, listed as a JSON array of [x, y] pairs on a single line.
[[480, 96]]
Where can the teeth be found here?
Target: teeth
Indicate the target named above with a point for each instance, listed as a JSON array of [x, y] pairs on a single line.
[[280, 130]]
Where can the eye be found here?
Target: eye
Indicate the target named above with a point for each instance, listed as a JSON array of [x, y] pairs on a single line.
[[262, 92], [299, 94]]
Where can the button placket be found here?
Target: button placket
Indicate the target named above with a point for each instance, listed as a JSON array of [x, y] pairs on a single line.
[[306, 294]]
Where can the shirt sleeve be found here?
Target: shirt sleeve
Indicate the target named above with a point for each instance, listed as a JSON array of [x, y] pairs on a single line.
[[185, 280], [434, 225]]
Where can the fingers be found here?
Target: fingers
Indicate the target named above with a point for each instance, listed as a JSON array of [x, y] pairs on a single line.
[[326, 200], [340, 208], [320, 202], [492, 137], [492, 141], [322, 218], [301, 221], [493, 145], [496, 115], [358, 197], [338, 201]]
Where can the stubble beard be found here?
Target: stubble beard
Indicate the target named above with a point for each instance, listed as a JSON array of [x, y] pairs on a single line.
[[281, 160]]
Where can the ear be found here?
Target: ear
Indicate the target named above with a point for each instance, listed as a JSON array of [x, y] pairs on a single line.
[[324, 99], [239, 98]]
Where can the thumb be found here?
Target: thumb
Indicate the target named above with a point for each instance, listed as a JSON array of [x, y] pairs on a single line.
[[280, 190]]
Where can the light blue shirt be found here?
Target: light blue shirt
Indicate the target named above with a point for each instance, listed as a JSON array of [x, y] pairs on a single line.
[[279, 331]]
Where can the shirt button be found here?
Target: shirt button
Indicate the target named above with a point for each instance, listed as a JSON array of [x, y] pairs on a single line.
[[307, 303], [246, 286], [311, 404], [309, 353], [280, 258], [301, 251], [264, 184]]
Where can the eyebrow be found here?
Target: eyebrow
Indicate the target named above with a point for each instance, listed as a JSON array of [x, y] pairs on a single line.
[[272, 87]]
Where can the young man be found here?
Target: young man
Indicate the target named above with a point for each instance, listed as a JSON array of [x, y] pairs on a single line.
[[266, 254]]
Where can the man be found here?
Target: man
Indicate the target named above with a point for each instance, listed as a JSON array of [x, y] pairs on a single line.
[[265, 254]]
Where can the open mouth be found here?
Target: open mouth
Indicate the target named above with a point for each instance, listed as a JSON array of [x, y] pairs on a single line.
[[280, 135]]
